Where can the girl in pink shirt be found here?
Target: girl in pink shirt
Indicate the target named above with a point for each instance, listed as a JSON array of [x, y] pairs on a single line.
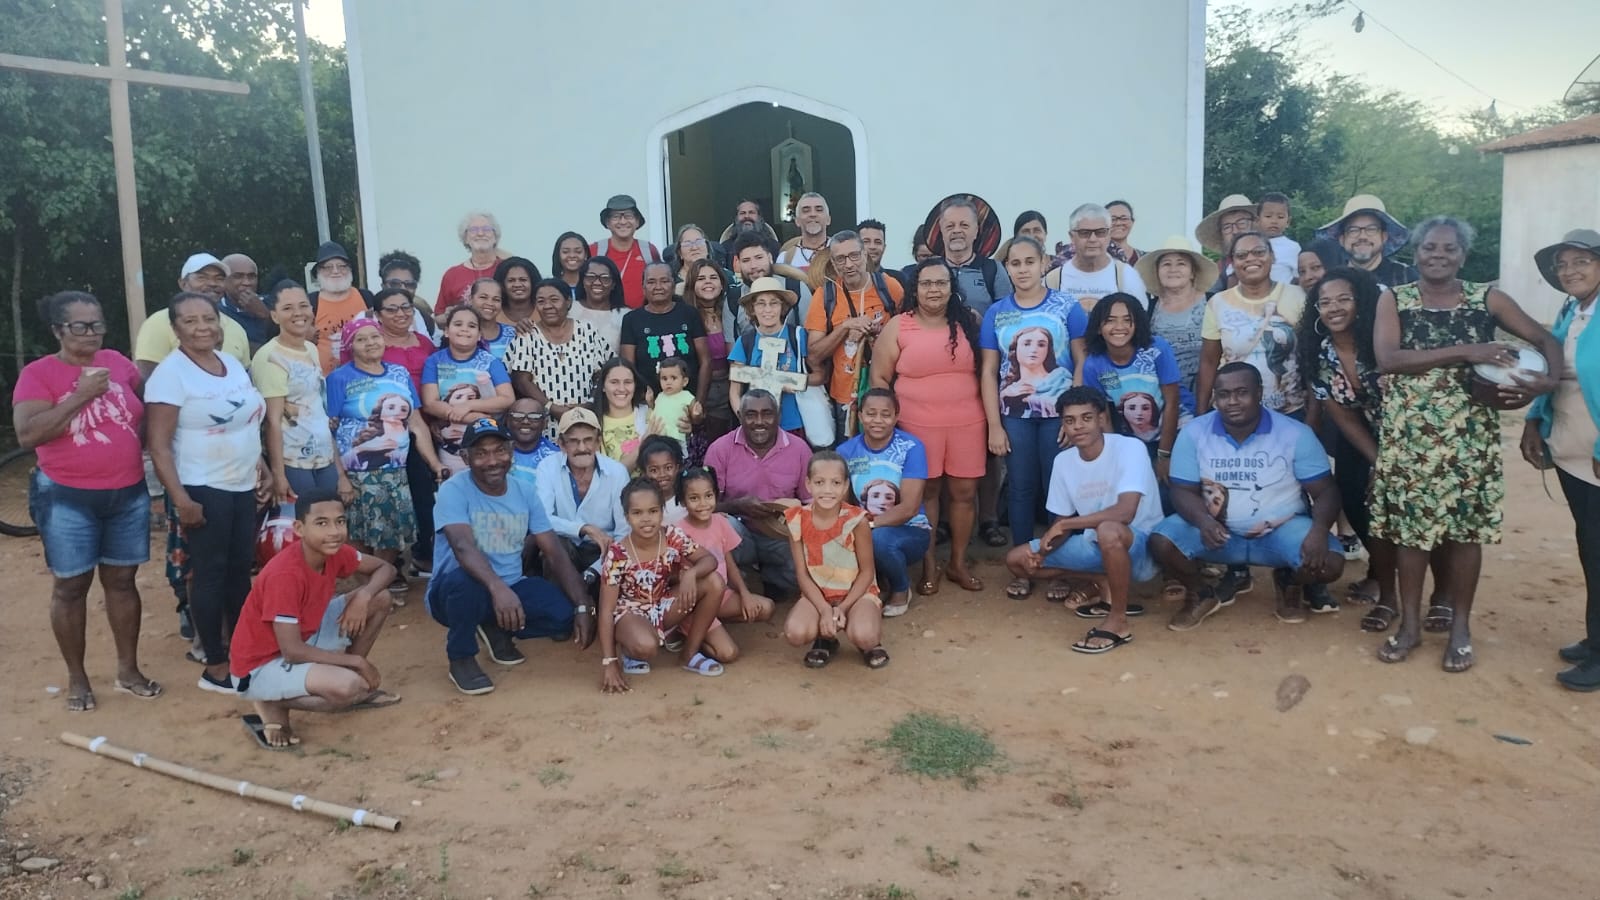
[[697, 492]]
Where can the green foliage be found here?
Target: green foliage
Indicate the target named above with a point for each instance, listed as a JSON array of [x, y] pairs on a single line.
[[939, 747]]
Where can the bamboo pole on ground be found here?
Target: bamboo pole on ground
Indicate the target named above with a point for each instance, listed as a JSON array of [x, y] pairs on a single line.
[[297, 802]]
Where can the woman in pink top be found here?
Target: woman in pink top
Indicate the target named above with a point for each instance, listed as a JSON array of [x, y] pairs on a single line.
[[81, 410], [403, 345], [928, 356]]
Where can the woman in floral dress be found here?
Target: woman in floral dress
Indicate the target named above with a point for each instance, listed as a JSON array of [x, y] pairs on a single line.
[[1439, 482]]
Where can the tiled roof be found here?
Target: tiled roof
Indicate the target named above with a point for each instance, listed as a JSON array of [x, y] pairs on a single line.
[[1578, 131]]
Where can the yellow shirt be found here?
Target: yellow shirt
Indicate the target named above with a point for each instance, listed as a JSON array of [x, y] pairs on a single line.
[[156, 340]]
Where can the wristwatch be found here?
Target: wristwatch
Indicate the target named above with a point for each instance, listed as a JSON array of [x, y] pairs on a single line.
[[581, 610], [608, 660]]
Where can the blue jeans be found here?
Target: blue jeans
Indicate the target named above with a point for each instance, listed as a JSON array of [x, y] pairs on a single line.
[[1033, 454], [1081, 553], [461, 603], [82, 529], [1277, 549], [894, 549]]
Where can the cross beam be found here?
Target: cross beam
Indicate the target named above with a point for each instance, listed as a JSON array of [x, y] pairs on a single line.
[[118, 75]]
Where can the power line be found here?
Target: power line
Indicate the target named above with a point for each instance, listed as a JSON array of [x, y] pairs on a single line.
[[1363, 16]]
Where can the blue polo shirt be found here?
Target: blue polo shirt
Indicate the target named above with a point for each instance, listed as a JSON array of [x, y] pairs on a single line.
[[1254, 486]]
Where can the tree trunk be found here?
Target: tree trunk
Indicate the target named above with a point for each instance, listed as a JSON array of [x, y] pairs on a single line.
[[16, 294]]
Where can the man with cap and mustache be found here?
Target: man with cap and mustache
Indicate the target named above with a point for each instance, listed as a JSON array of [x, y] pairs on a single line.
[[621, 217]]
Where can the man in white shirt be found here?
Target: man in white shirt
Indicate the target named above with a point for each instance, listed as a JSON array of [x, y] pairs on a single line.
[[812, 215], [582, 489], [1104, 490], [1092, 273]]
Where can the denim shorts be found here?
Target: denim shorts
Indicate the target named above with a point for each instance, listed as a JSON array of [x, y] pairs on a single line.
[[279, 679], [82, 529], [1081, 553], [1278, 548]]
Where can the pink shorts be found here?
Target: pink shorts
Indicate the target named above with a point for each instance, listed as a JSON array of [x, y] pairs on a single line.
[[960, 451]]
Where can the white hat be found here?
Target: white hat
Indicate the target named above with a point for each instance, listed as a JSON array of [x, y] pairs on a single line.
[[201, 261]]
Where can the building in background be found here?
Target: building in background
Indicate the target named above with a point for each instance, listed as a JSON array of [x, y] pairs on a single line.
[[539, 113], [1551, 186]]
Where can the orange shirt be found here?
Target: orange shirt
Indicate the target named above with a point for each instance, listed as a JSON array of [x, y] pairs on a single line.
[[331, 317], [866, 302]]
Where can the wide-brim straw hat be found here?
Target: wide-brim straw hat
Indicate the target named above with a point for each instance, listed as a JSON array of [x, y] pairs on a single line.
[[766, 284], [1209, 231], [1148, 266], [1586, 239], [1395, 234]]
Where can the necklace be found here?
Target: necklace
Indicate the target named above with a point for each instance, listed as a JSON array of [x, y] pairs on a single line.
[[640, 556]]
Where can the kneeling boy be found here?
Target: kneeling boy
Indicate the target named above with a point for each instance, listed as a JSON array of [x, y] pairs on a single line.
[[297, 646], [1104, 490]]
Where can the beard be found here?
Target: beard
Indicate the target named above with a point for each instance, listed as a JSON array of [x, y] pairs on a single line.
[[336, 284], [748, 226]]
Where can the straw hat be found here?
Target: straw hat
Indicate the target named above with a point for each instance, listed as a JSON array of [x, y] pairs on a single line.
[[1209, 231], [1395, 234], [1149, 264], [1578, 239], [767, 285]]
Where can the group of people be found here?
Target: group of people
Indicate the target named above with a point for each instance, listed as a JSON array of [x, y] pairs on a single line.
[[628, 448]]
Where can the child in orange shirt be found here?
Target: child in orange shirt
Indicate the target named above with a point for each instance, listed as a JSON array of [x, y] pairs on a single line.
[[832, 546]]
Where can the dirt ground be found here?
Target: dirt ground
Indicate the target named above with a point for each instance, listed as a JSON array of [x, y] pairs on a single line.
[[1163, 769]]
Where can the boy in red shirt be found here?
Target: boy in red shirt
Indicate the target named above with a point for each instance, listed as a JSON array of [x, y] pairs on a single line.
[[297, 645]]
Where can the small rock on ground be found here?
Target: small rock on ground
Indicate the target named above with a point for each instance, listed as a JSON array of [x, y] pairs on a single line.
[[39, 863], [1421, 735]]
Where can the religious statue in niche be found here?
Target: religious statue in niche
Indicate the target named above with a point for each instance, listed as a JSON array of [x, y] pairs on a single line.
[[791, 176]]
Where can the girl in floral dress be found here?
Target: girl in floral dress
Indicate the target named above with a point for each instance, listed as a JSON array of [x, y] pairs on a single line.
[[653, 579]]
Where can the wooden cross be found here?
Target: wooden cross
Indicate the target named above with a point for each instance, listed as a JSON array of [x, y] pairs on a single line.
[[118, 75], [766, 376]]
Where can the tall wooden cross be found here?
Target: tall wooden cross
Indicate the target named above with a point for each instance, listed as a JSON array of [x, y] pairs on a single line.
[[118, 75]]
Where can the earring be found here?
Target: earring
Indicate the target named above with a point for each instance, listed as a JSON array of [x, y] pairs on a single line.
[[1317, 327]]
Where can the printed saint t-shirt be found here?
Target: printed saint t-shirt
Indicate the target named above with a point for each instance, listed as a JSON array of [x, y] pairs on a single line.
[[287, 590], [847, 304], [1135, 389], [1255, 486], [500, 343], [1035, 347], [294, 375], [656, 336], [101, 449], [875, 475], [525, 463], [1080, 487], [460, 381], [374, 413], [1261, 333], [218, 439]]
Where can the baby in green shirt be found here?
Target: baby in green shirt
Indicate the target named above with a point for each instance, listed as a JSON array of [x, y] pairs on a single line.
[[675, 401]]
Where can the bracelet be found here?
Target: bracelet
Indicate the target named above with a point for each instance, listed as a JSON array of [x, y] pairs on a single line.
[[608, 660], [1163, 454], [581, 610]]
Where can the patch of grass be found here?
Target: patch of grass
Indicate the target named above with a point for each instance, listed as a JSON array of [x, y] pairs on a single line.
[[534, 891], [671, 868], [729, 753], [342, 825], [770, 740], [550, 776], [697, 701], [132, 892], [335, 751], [444, 864], [197, 871], [892, 892], [243, 856], [939, 864], [427, 777], [939, 747]]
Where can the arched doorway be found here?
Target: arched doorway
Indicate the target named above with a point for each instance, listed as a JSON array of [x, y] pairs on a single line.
[[756, 142]]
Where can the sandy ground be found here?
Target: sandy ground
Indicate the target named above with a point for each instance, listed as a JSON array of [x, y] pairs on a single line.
[[1162, 769]]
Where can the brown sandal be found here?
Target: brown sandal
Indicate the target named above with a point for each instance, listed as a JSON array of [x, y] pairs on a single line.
[[969, 582]]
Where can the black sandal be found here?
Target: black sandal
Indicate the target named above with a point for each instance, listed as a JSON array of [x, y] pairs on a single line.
[[876, 658], [821, 652], [1439, 618], [1379, 619], [992, 534]]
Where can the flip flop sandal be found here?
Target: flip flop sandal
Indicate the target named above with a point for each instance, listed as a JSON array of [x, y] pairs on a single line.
[[876, 658], [1439, 618], [821, 652], [631, 666], [375, 700], [1102, 609], [1019, 588], [702, 664], [969, 583], [1458, 659], [83, 702], [258, 730], [149, 690], [992, 534], [1390, 651], [1116, 640], [1356, 595], [1379, 619], [1059, 590]]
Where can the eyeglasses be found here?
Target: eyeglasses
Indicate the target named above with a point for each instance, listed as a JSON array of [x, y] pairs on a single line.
[[1370, 230], [597, 276], [1091, 232], [402, 283], [848, 257], [394, 309], [1257, 253], [1582, 262], [696, 243], [526, 417], [1331, 302], [941, 283], [479, 230], [83, 328], [338, 268], [1235, 226]]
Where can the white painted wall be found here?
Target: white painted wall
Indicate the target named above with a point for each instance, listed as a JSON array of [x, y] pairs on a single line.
[[540, 111], [1546, 194]]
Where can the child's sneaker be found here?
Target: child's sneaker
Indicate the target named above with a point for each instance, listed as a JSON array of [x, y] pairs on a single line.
[[1352, 546]]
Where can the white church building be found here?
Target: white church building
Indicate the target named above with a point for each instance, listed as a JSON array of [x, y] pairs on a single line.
[[539, 111]]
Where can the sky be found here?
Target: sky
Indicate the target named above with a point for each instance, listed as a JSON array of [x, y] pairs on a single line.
[[1522, 54]]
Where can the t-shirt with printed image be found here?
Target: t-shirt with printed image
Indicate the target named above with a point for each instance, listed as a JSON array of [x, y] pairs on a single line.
[[1135, 389], [657, 336], [460, 382], [296, 376], [1253, 487], [1035, 347], [876, 475], [374, 414], [1261, 333]]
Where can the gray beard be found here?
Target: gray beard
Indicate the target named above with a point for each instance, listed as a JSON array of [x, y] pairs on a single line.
[[335, 284], [749, 226]]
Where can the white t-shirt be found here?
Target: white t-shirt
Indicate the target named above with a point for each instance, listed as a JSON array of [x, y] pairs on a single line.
[[1079, 488], [218, 439], [1089, 287], [1285, 259]]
